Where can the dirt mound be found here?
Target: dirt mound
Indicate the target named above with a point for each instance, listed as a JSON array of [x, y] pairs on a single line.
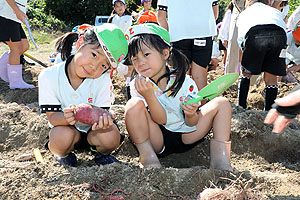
[[270, 161]]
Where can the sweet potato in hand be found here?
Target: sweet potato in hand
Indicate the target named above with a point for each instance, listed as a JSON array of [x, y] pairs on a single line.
[[89, 114]]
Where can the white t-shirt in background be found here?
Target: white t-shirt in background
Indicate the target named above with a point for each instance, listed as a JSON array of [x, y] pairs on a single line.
[[190, 19]]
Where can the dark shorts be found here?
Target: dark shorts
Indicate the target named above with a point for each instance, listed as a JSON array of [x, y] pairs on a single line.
[[221, 46], [200, 54], [262, 48], [13, 30], [83, 144], [173, 143]]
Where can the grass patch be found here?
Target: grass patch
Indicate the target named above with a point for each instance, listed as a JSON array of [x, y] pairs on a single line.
[[45, 43]]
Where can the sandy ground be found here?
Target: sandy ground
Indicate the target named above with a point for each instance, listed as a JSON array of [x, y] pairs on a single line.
[[269, 161]]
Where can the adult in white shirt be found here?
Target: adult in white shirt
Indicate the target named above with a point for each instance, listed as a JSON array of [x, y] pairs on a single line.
[[192, 25], [262, 37]]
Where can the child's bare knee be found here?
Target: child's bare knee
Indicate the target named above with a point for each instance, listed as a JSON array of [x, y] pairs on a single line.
[[223, 102], [134, 106]]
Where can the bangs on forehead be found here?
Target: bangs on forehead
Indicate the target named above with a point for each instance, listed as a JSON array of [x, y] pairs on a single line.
[[136, 43]]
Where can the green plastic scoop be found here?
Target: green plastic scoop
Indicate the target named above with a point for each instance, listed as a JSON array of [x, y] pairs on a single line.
[[215, 88]]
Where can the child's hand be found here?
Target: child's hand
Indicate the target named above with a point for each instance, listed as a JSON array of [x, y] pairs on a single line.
[[143, 86], [189, 110], [69, 114], [105, 122]]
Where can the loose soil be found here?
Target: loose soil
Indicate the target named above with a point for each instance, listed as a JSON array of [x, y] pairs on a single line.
[[271, 162]]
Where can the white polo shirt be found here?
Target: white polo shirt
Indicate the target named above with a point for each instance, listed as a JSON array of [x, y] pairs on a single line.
[[123, 22], [293, 52], [258, 14], [189, 19], [7, 12], [56, 92], [175, 116]]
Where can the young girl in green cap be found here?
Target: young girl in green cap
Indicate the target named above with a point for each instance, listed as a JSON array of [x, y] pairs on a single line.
[[82, 78], [164, 125]]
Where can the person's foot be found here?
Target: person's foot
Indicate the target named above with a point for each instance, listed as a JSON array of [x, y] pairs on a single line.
[[101, 159], [70, 160]]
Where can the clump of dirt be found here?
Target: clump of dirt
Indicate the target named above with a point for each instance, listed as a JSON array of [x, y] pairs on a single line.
[[269, 160]]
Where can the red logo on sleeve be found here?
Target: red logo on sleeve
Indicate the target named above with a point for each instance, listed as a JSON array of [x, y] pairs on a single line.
[[90, 100]]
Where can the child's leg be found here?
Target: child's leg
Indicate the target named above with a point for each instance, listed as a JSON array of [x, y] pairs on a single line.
[[105, 140], [216, 114], [145, 133], [243, 89], [224, 58], [271, 89], [62, 140]]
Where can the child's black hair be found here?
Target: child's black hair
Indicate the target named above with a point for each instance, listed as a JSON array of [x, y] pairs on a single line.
[[180, 63], [64, 43]]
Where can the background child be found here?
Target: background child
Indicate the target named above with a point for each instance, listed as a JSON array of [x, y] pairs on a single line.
[[223, 34], [12, 33], [214, 62], [146, 6], [147, 17], [82, 78], [262, 37], [293, 49], [157, 93], [120, 15]]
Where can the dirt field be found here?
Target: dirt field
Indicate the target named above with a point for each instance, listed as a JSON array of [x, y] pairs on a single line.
[[271, 161]]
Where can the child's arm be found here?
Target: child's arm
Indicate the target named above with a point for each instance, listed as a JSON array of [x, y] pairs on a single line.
[[20, 15], [190, 112], [64, 118], [157, 112]]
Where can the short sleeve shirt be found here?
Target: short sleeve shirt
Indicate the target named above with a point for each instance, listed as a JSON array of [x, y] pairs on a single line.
[[123, 22], [56, 92], [175, 116], [189, 19]]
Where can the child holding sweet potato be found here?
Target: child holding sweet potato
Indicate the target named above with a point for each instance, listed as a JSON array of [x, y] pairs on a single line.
[[82, 78], [166, 126]]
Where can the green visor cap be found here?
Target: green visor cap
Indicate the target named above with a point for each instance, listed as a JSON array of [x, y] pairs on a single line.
[[113, 42], [148, 29]]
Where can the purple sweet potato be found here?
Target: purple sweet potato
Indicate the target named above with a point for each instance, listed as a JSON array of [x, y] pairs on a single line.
[[89, 114]]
